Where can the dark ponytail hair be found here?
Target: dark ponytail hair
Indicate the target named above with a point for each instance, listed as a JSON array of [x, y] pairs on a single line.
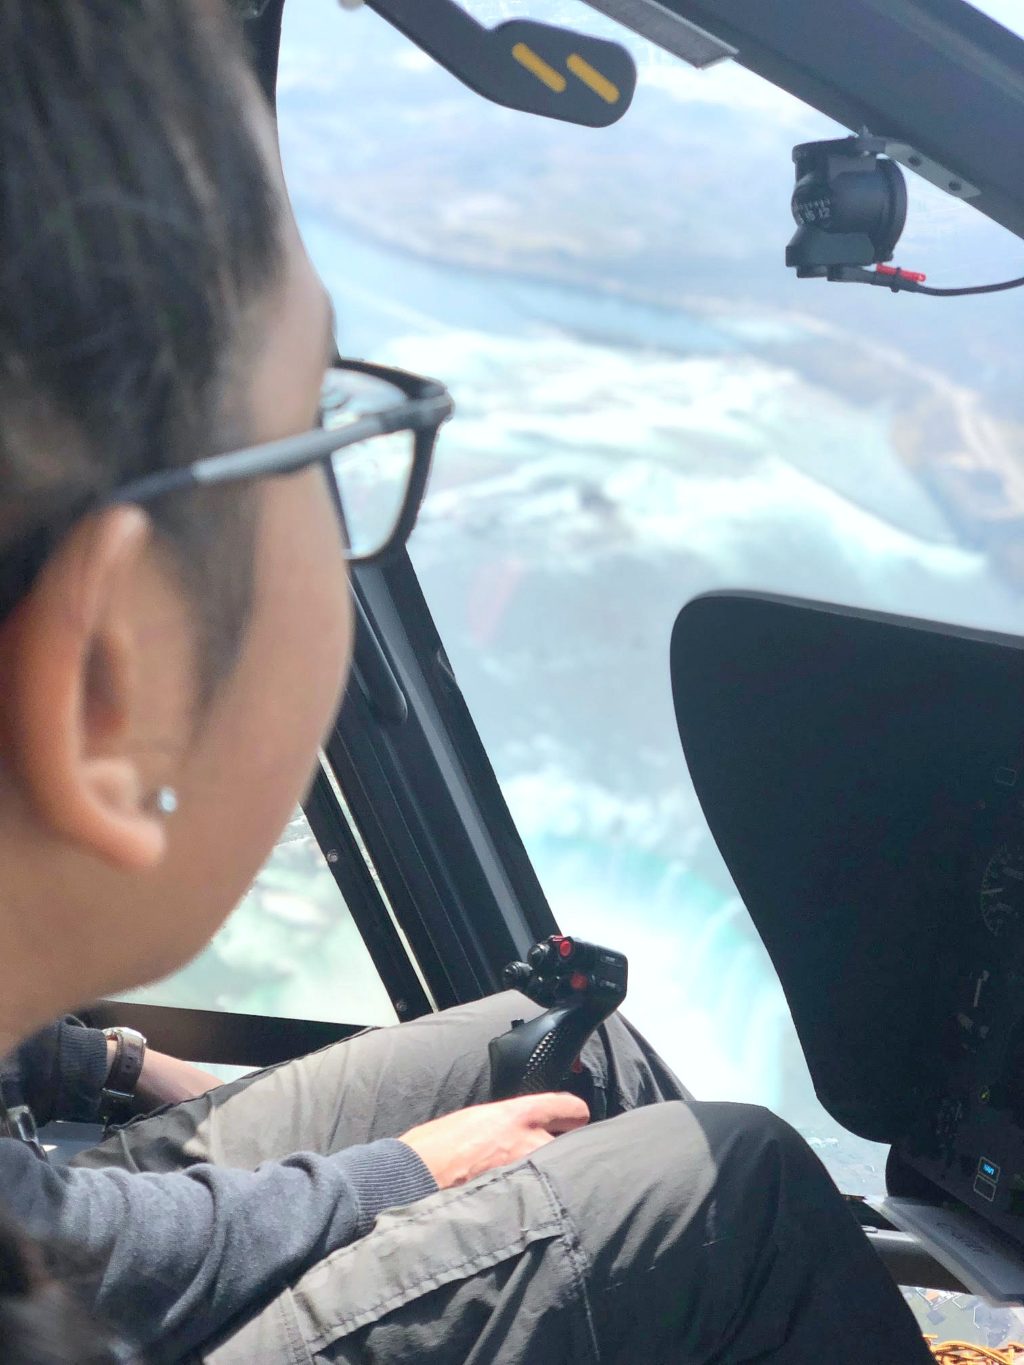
[[40, 1322], [138, 231]]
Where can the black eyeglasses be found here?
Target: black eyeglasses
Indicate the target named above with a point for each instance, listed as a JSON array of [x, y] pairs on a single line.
[[375, 440], [378, 428]]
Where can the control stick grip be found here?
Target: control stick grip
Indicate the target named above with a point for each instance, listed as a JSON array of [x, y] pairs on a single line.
[[536, 1055], [581, 983]]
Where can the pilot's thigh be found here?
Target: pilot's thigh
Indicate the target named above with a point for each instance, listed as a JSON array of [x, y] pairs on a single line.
[[379, 1083], [454, 1278], [704, 1233], [717, 1235]]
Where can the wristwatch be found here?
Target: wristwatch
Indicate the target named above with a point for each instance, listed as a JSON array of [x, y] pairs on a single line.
[[119, 1091]]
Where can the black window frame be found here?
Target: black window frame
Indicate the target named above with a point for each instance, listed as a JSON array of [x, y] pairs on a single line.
[[426, 800]]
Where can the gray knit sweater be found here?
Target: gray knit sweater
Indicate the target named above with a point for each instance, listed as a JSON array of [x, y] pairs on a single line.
[[168, 1260]]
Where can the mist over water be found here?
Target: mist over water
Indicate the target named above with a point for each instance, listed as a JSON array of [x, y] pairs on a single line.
[[608, 462]]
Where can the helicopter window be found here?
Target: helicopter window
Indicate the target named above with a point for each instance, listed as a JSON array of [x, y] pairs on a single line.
[[1005, 12], [650, 406], [291, 949]]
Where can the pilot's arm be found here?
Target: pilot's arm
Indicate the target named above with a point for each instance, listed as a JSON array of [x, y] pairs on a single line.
[[61, 1070], [170, 1259]]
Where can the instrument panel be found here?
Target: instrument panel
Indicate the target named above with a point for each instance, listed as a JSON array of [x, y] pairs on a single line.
[[863, 777], [971, 1142]]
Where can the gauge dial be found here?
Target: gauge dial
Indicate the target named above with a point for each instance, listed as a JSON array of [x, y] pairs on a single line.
[[1002, 890]]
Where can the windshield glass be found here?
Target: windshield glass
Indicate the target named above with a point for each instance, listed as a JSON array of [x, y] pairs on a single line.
[[1009, 13], [649, 406]]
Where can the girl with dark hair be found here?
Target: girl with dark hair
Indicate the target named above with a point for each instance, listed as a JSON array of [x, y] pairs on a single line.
[[174, 636]]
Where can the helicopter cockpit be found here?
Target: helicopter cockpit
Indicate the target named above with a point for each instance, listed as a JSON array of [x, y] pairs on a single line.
[[662, 665]]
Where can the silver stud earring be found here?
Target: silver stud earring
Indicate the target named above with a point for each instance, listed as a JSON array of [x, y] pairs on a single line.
[[166, 801]]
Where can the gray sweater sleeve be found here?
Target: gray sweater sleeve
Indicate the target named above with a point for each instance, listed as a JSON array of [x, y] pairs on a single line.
[[169, 1259]]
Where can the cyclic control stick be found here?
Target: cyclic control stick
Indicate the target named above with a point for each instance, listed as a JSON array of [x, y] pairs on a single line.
[[581, 984]]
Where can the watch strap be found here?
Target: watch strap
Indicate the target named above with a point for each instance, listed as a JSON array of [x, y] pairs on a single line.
[[129, 1056]]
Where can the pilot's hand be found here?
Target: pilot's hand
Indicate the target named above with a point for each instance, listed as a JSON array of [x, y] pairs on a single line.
[[460, 1146]]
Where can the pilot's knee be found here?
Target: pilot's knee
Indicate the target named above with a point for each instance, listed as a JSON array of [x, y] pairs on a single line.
[[685, 1171], [749, 1140], [765, 1128]]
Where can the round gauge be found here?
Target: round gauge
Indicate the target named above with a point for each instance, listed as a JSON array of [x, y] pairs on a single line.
[[1002, 890]]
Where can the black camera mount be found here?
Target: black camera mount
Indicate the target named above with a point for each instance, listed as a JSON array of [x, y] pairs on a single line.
[[850, 207]]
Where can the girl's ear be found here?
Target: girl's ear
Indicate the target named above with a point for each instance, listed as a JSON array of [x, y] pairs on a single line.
[[74, 708]]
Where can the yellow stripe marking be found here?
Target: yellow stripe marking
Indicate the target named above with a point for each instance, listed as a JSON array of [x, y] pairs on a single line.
[[538, 67], [590, 76]]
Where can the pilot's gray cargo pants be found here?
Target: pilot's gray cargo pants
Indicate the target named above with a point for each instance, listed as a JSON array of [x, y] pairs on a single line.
[[675, 1231]]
